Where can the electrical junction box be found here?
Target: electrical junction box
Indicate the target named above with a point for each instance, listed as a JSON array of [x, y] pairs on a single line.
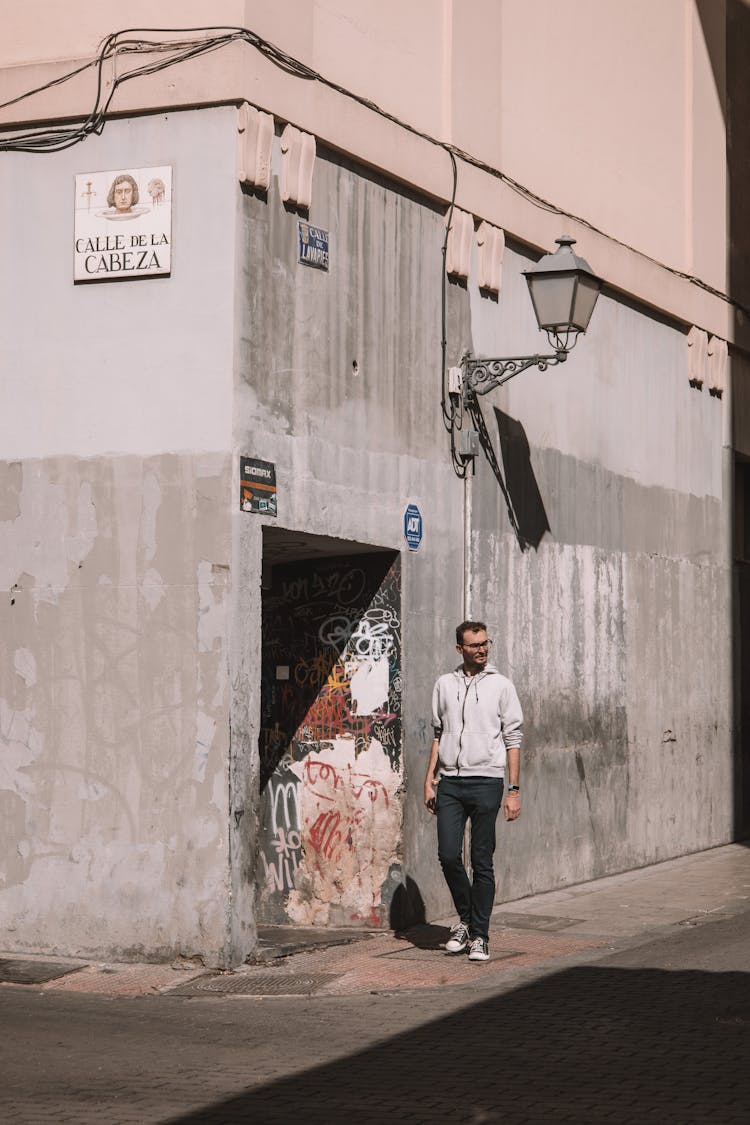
[[468, 445]]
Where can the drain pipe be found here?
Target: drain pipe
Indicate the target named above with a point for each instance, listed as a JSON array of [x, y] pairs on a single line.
[[468, 576], [468, 579]]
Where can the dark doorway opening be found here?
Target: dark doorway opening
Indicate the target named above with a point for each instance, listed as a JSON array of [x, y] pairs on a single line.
[[330, 746]]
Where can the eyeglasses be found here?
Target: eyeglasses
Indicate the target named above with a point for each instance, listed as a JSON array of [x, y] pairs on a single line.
[[476, 647]]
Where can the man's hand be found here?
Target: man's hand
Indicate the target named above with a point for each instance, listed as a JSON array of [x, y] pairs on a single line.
[[512, 802], [429, 779], [512, 806]]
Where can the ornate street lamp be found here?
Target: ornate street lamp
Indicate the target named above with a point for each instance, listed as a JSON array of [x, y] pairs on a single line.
[[563, 292]]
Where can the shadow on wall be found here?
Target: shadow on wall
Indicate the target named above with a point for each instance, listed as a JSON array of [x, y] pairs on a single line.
[[515, 476], [586, 1045], [531, 518]]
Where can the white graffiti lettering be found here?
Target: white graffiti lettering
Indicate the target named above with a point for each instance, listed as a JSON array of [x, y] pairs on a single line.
[[335, 631], [284, 799], [279, 874], [371, 642]]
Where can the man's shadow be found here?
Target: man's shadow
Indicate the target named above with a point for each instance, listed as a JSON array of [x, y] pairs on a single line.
[[408, 920]]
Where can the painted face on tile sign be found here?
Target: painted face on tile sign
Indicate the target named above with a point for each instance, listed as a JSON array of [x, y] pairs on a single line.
[[123, 194]]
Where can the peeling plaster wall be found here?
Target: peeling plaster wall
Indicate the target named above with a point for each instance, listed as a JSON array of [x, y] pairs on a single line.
[[115, 561], [130, 824], [113, 702], [351, 449], [610, 602]]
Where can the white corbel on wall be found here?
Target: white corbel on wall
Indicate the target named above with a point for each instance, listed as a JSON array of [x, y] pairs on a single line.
[[297, 164], [491, 248], [718, 359], [458, 251], [697, 342], [256, 132]]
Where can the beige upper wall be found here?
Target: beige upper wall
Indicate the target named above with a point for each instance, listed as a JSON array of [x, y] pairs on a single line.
[[609, 110], [602, 86]]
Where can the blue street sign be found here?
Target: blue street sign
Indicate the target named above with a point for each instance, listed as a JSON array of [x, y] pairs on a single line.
[[313, 245], [413, 526]]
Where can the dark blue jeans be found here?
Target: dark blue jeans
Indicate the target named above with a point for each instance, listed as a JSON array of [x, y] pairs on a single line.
[[478, 800]]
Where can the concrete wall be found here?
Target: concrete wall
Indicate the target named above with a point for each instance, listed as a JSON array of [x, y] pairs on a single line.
[[115, 409], [614, 469], [617, 619], [130, 685], [141, 367], [352, 450], [113, 705]]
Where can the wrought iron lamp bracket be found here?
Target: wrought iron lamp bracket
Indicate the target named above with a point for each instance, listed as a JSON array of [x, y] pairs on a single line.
[[483, 375]]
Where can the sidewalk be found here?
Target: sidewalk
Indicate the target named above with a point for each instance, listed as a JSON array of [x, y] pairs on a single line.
[[626, 1003], [537, 933]]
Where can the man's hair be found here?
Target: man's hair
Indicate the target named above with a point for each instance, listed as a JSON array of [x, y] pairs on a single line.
[[469, 627], [122, 179]]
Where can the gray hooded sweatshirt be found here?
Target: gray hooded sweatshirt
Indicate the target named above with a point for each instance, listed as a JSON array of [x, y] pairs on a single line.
[[475, 719]]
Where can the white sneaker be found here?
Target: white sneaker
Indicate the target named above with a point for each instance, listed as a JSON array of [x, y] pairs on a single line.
[[479, 950], [458, 940]]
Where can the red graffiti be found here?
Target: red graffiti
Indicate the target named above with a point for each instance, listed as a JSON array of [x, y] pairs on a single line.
[[329, 832], [372, 787], [373, 918], [287, 696], [317, 772]]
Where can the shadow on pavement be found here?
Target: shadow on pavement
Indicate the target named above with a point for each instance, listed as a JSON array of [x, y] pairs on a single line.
[[587, 1045], [426, 936]]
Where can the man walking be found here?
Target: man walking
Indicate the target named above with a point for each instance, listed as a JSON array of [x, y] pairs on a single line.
[[478, 730]]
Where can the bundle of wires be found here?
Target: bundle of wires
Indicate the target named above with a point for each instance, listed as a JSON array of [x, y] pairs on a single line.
[[130, 42]]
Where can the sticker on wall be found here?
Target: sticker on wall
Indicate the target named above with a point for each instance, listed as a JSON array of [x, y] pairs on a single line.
[[313, 246], [123, 224], [257, 486], [413, 527]]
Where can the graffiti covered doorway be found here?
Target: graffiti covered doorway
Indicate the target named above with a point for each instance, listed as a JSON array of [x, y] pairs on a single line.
[[330, 750]]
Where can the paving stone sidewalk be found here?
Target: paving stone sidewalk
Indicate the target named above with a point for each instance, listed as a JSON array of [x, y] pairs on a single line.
[[532, 932], [629, 1002]]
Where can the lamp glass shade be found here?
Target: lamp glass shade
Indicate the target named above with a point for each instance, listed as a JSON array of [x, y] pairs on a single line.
[[552, 297], [563, 290], [586, 294]]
